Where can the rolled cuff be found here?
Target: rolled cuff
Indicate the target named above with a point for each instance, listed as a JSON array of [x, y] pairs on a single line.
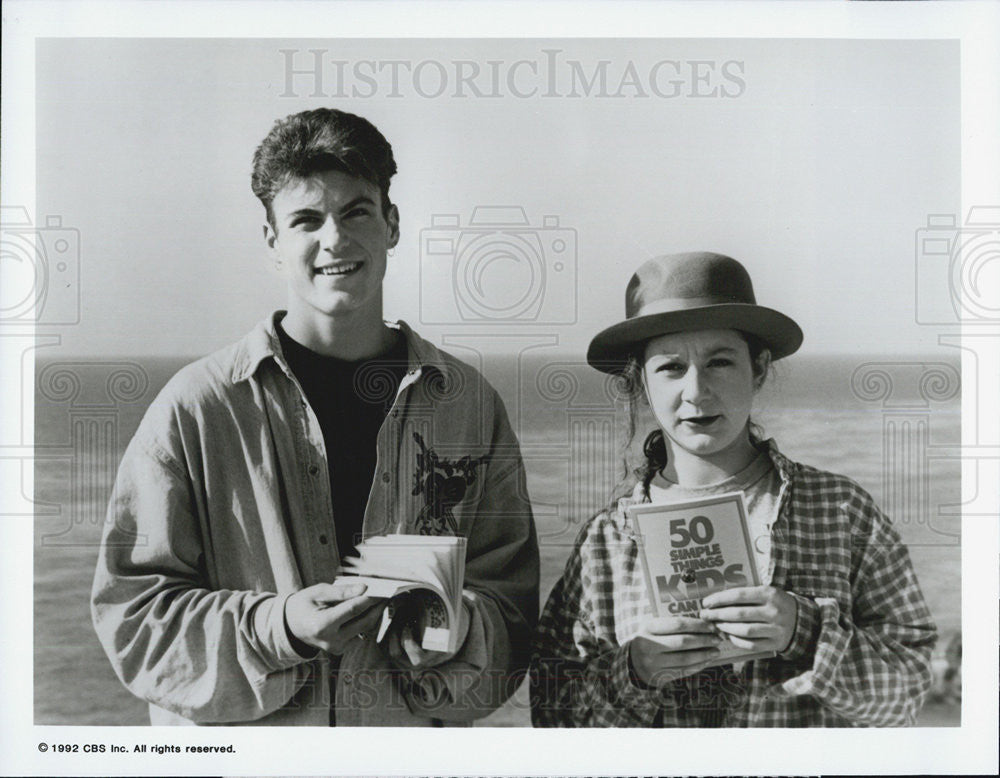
[[273, 639], [628, 691], [807, 624]]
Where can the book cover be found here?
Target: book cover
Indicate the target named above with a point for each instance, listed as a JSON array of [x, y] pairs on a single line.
[[422, 576], [694, 548]]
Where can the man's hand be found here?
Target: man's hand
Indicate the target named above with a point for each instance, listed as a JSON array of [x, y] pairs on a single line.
[[671, 647], [755, 617], [327, 617], [406, 652]]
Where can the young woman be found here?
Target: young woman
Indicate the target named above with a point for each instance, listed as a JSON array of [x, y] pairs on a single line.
[[839, 602]]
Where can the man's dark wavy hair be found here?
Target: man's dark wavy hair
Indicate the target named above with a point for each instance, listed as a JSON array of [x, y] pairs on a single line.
[[316, 141]]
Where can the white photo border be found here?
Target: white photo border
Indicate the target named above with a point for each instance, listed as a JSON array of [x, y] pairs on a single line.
[[969, 748]]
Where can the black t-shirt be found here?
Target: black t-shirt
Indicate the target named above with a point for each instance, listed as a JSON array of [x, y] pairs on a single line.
[[350, 400]]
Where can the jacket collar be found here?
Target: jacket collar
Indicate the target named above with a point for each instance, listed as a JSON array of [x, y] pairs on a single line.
[[262, 343]]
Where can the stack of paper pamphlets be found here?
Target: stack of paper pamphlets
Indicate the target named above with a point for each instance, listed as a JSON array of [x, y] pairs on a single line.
[[692, 549], [431, 567]]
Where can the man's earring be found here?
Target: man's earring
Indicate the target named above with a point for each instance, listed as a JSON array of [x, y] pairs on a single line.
[[391, 252]]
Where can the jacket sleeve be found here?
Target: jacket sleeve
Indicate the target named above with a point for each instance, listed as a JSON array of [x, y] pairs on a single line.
[[211, 656], [501, 594], [579, 677], [871, 665]]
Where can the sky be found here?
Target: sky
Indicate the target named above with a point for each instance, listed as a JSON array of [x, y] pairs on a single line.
[[814, 162]]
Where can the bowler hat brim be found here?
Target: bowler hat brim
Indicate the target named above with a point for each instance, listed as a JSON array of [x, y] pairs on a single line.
[[610, 349]]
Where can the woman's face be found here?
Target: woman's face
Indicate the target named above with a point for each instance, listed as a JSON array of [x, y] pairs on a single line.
[[700, 386]]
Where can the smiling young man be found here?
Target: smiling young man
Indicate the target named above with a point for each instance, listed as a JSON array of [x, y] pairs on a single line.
[[258, 469]]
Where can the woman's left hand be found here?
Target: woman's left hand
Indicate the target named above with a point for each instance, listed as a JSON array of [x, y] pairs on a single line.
[[761, 618]]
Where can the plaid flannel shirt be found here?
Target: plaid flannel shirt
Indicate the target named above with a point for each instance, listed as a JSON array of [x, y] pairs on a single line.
[[860, 653]]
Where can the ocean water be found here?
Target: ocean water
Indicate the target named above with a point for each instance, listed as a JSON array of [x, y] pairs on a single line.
[[893, 425]]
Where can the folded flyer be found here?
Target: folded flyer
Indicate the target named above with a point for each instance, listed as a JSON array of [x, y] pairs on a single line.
[[429, 569], [690, 550]]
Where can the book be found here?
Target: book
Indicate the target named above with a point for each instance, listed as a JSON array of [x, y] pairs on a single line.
[[422, 577], [691, 549]]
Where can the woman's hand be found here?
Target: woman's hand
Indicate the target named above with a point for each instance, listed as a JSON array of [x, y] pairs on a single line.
[[761, 618], [671, 647]]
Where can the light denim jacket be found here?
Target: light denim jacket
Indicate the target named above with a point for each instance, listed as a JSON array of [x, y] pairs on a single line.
[[221, 509]]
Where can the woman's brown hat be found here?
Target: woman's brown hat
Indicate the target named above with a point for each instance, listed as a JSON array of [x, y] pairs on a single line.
[[693, 291]]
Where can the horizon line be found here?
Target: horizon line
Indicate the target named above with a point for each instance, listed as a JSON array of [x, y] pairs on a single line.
[[42, 352]]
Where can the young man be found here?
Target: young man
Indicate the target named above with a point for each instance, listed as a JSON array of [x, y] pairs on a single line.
[[257, 469]]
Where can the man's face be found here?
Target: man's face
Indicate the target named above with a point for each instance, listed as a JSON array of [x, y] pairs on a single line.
[[329, 241]]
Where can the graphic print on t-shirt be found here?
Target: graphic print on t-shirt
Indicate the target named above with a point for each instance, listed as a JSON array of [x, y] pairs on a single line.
[[443, 484]]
